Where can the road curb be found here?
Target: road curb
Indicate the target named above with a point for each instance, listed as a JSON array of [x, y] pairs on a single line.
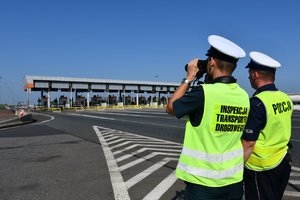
[[25, 119]]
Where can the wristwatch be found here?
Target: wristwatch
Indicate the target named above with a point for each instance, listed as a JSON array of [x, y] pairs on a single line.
[[187, 81]]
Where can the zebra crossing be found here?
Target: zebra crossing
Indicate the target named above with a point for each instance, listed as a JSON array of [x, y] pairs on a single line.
[[292, 190], [141, 167]]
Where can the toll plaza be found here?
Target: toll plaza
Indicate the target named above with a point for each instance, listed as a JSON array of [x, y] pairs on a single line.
[[89, 92]]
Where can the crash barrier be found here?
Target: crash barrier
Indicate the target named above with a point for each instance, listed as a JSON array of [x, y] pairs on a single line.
[[41, 108], [81, 108], [55, 109]]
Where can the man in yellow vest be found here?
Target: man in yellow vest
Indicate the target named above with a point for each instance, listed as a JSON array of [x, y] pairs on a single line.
[[211, 162], [267, 133]]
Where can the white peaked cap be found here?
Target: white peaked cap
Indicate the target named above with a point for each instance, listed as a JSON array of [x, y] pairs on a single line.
[[226, 46], [264, 60]]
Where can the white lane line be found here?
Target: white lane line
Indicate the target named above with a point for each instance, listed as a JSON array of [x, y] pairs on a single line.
[[162, 187], [291, 193], [130, 121], [91, 116], [147, 157], [295, 168], [137, 161], [137, 111], [135, 145], [116, 141], [295, 174], [111, 138], [132, 115], [139, 177], [294, 182], [51, 118], [146, 137], [294, 140], [118, 185], [142, 142], [136, 152], [131, 140], [108, 133]]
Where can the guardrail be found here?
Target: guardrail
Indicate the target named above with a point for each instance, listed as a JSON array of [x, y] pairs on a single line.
[[75, 108], [81, 108], [54, 109]]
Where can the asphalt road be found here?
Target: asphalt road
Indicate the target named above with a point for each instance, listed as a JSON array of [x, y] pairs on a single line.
[[67, 156]]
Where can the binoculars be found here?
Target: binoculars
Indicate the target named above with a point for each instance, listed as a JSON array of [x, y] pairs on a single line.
[[202, 66]]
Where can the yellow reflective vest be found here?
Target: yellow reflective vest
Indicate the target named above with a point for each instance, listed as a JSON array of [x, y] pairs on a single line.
[[271, 145], [212, 153]]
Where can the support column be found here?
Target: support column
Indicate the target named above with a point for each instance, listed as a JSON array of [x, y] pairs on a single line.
[[88, 99], [48, 99], [137, 99], [42, 94], [124, 97], [158, 101], [75, 96], [71, 98], [27, 91]]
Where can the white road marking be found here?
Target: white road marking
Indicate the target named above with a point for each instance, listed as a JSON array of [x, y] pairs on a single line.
[[295, 168], [163, 148], [119, 187], [147, 157], [51, 118], [295, 174], [137, 178], [291, 193], [133, 115], [140, 142], [91, 116], [294, 182], [162, 187], [137, 152], [123, 120], [294, 140], [171, 180]]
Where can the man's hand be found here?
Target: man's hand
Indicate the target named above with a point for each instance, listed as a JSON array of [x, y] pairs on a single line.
[[192, 70]]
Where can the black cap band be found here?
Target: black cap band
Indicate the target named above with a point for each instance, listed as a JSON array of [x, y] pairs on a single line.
[[213, 52], [254, 65]]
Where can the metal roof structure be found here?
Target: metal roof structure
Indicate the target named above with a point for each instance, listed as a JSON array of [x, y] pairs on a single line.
[[55, 83]]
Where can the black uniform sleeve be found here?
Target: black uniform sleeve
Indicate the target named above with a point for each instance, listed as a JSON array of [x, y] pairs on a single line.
[[256, 120], [191, 104]]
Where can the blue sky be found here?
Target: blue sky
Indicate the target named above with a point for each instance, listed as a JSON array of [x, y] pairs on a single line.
[[138, 40]]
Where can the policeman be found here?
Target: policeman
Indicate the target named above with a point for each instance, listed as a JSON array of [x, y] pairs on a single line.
[[267, 133], [211, 161]]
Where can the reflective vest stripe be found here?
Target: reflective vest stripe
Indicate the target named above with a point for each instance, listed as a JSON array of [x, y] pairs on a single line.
[[269, 150], [212, 157], [269, 162], [215, 174]]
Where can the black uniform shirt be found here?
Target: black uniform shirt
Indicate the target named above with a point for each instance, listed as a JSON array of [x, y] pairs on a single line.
[[257, 118], [192, 103]]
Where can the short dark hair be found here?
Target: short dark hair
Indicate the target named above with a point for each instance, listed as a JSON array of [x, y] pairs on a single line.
[[228, 67], [267, 74]]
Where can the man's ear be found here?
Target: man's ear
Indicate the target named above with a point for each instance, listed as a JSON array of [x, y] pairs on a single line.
[[212, 63], [255, 74]]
